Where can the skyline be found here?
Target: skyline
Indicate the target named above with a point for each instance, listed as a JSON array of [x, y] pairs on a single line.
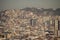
[[17, 4]]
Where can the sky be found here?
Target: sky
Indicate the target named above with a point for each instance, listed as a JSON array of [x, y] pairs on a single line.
[[18, 4]]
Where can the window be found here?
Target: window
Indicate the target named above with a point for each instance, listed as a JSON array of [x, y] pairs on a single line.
[[1, 36]]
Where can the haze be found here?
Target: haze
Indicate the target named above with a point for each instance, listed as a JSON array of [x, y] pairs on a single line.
[[17, 4]]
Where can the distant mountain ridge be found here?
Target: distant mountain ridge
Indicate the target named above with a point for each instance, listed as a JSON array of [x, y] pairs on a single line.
[[39, 11]]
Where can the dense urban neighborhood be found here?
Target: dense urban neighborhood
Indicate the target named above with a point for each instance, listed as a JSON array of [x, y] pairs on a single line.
[[30, 24]]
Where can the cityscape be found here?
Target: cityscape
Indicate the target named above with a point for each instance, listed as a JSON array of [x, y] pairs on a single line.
[[30, 24]]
